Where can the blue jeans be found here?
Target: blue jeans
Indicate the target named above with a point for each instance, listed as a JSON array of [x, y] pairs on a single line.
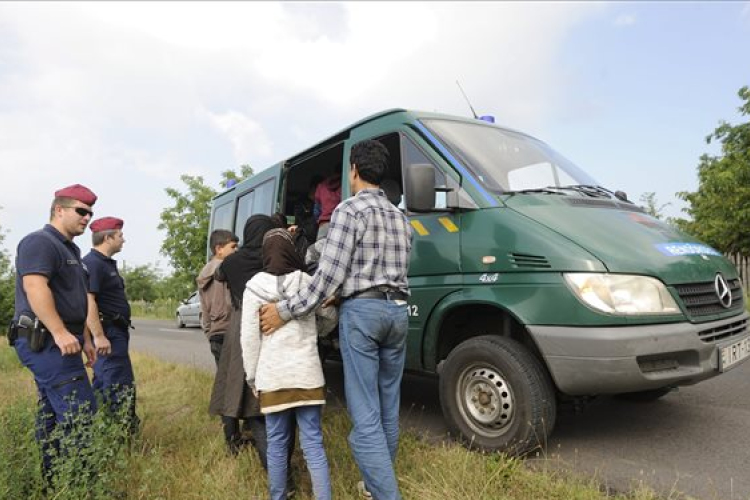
[[280, 431], [373, 347]]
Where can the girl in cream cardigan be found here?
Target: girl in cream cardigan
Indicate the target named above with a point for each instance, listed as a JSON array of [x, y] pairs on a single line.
[[284, 368]]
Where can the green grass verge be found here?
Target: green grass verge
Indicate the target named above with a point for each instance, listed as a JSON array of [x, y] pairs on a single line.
[[159, 309], [181, 455]]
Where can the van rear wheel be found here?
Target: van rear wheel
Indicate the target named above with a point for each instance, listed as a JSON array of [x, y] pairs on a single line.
[[496, 396]]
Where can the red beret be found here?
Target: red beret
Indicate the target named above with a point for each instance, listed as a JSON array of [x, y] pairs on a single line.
[[77, 192], [106, 224]]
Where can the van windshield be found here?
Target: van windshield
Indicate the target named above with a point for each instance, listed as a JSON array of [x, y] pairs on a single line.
[[506, 161]]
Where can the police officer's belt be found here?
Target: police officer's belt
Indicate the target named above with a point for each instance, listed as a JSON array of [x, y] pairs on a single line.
[[116, 319], [74, 328]]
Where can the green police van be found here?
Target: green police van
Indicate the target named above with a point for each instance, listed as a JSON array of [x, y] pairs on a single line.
[[530, 284]]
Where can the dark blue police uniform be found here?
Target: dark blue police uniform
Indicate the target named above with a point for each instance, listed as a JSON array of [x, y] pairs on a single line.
[[113, 373], [62, 382]]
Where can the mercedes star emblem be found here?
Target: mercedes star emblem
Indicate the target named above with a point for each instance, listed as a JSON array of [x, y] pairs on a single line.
[[723, 291]]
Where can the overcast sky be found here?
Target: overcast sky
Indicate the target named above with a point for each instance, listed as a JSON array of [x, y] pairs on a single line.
[[126, 97]]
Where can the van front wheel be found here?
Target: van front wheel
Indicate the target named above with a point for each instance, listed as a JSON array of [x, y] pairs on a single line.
[[496, 396]]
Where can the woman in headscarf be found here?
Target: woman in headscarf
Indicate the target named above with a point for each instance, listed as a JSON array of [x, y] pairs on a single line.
[[284, 369], [231, 398]]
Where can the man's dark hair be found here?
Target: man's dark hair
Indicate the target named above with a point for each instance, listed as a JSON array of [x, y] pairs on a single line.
[[221, 237], [371, 159]]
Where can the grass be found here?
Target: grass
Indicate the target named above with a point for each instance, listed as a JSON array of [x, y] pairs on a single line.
[[158, 309], [180, 453]]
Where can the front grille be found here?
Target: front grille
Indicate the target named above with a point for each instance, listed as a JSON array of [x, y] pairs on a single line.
[[724, 331], [529, 261], [700, 299]]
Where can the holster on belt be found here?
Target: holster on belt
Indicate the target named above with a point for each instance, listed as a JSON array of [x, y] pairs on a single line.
[[116, 319], [33, 330], [12, 333]]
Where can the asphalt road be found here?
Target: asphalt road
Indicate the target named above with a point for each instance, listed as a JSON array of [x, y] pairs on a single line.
[[694, 441]]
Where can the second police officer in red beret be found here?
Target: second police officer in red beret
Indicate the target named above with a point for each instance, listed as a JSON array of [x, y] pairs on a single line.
[[109, 315], [49, 323]]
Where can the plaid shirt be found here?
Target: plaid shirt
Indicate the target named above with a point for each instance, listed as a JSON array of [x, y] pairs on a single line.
[[367, 246]]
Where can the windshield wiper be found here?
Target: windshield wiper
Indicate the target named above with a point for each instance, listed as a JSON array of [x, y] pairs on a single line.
[[547, 190], [590, 190]]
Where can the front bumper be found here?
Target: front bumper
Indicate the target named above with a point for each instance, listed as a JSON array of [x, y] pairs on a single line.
[[612, 360]]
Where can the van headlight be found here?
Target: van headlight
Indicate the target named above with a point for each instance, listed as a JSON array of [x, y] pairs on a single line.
[[622, 293]]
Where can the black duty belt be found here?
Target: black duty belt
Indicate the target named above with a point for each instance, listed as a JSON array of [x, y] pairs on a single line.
[[374, 293], [116, 319], [74, 328]]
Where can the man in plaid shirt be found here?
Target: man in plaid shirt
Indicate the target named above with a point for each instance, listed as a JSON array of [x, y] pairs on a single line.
[[365, 261]]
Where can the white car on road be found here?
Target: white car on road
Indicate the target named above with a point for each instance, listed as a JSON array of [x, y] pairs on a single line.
[[189, 312]]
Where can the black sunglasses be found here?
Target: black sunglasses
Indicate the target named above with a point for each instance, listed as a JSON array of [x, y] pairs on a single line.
[[83, 212]]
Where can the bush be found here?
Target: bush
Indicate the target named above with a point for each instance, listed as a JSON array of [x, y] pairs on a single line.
[[89, 462]]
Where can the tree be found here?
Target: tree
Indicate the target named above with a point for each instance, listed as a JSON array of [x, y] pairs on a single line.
[[651, 206], [186, 223], [227, 175], [172, 287], [141, 282], [720, 209], [7, 285]]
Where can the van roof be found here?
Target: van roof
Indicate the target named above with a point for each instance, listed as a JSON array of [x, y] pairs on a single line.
[[344, 133]]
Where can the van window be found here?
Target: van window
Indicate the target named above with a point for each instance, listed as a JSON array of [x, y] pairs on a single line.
[[263, 203], [244, 210], [413, 155], [504, 160], [223, 217]]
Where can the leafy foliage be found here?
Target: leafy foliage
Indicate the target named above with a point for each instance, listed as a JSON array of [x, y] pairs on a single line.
[[651, 205], [186, 224], [7, 284], [141, 282], [720, 208]]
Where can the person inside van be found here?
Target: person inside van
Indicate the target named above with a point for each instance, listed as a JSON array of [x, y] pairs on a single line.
[[327, 196], [304, 215], [284, 369]]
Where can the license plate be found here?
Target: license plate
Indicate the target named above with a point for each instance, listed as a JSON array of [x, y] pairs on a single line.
[[733, 353]]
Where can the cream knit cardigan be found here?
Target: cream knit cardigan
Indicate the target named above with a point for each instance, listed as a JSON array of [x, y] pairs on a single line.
[[288, 358]]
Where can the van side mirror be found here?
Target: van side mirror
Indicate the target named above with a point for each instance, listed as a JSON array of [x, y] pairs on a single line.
[[420, 187]]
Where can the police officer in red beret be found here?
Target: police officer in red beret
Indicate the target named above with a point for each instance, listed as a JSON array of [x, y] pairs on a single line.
[[109, 317], [49, 322]]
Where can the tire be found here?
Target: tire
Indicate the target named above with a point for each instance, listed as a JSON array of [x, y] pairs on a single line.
[[180, 323], [645, 396], [496, 396]]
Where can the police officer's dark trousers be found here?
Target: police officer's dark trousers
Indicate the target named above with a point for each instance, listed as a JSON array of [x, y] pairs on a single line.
[[113, 377], [66, 399]]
